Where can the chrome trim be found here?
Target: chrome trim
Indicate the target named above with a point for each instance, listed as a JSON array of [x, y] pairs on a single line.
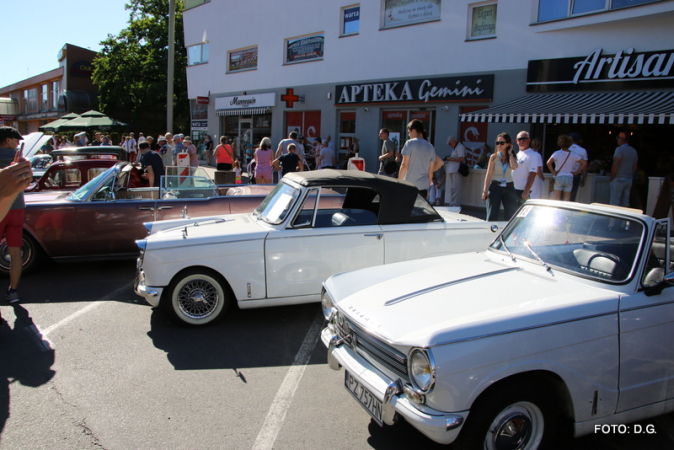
[[335, 341], [148, 227], [453, 422], [450, 283], [388, 414]]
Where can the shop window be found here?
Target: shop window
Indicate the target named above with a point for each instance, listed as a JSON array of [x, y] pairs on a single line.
[[347, 134], [562, 9], [197, 54], [400, 13], [242, 59], [347, 122], [304, 48], [350, 20], [482, 20]]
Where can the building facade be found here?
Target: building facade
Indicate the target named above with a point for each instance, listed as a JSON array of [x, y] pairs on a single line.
[[348, 69], [44, 98]]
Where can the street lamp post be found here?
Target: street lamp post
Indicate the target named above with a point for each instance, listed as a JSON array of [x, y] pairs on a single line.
[[171, 62]]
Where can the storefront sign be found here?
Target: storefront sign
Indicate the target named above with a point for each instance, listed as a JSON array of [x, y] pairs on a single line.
[[394, 115], [246, 101], [451, 89], [398, 13], [7, 118], [305, 49], [627, 69], [202, 100], [81, 69], [200, 125]]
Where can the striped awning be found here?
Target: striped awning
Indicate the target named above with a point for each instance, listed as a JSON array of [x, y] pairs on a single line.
[[599, 108], [242, 111]]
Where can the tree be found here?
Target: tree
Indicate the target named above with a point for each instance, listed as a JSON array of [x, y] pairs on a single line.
[[131, 69]]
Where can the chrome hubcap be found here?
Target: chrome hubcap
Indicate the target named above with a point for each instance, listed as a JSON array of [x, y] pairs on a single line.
[[518, 427], [198, 299]]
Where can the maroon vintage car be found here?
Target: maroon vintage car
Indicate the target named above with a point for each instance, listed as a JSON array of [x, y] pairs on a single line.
[[103, 218], [74, 167]]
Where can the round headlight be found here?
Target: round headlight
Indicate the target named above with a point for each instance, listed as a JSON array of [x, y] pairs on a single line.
[[422, 370], [326, 304]]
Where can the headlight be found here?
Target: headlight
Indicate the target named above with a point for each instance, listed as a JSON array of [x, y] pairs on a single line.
[[421, 369], [326, 304]]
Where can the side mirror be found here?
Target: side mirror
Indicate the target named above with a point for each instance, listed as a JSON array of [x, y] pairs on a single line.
[[667, 281]]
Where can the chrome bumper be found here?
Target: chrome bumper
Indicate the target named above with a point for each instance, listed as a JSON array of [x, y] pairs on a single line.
[[151, 294], [441, 427]]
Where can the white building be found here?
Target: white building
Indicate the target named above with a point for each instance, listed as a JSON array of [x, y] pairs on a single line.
[[349, 69]]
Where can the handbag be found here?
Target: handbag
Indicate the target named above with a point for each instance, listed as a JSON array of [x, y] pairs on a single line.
[[391, 167], [463, 169]]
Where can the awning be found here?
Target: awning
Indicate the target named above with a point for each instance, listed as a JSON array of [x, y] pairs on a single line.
[[242, 111], [600, 108]]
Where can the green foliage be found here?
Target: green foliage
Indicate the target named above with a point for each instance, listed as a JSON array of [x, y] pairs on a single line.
[[131, 69]]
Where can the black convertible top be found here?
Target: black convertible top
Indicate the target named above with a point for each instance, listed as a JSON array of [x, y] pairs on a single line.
[[396, 197]]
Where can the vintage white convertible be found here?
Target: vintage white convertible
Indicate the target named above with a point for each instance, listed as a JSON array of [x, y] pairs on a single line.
[[569, 314], [312, 225]]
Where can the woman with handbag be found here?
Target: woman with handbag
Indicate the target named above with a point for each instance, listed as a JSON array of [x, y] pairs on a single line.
[[564, 160], [498, 181], [223, 155]]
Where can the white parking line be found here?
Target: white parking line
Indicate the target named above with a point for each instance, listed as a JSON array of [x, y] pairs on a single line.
[[279, 407]]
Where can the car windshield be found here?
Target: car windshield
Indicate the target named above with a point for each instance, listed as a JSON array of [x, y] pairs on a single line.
[[590, 244], [276, 206], [84, 191]]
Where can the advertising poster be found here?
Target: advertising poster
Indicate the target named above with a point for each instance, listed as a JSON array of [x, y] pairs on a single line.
[[245, 59], [305, 49], [398, 13], [484, 21]]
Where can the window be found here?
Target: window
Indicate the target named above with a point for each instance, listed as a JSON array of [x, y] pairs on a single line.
[[24, 103], [189, 4], [197, 54], [44, 98], [399, 13], [482, 19], [54, 95], [304, 48], [350, 20], [561, 9], [32, 100], [242, 59]]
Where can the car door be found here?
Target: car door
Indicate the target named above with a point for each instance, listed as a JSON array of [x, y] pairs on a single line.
[[110, 225], [321, 240], [647, 331]]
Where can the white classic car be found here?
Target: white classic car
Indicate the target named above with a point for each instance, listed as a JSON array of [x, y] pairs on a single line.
[[569, 314], [312, 225]]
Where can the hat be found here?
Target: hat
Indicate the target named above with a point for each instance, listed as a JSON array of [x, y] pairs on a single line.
[[144, 145], [575, 137], [9, 132], [187, 139], [161, 138]]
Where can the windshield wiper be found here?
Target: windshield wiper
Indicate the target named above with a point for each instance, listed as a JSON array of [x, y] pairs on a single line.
[[526, 244], [505, 247]]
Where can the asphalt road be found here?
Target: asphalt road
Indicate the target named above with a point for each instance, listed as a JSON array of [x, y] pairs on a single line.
[[86, 364]]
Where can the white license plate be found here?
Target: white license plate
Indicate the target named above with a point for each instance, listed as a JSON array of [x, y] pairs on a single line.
[[366, 399]]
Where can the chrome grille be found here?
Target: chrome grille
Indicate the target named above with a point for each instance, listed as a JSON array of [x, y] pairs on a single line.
[[377, 352]]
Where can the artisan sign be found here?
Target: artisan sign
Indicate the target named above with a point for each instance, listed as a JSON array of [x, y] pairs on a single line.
[[627, 69], [451, 89]]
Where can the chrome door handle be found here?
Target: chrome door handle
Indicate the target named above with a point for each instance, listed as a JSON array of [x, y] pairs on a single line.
[[164, 207], [377, 235], [146, 208]]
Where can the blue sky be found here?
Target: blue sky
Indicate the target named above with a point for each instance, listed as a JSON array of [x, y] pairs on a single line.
[[35, 31]]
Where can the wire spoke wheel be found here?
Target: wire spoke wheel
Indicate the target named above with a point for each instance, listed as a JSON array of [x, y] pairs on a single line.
[[197, 297]]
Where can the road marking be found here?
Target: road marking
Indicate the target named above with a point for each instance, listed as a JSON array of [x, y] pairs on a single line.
[[279, 407]]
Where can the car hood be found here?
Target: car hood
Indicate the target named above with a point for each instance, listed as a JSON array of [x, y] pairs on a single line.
[[459, 297], [207, 230]]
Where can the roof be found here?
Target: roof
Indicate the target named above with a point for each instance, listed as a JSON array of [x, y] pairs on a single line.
[[596, 107], [396, 197], [119, 152]]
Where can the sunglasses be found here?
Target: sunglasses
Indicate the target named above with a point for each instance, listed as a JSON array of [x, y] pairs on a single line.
[[523, 139], [501, 142]]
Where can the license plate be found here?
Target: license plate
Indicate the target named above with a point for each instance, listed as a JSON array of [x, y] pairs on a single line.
[[366, 399]]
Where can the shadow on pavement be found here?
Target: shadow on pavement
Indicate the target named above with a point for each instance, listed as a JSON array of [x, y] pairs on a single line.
[[264, 337], [25, 358]]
